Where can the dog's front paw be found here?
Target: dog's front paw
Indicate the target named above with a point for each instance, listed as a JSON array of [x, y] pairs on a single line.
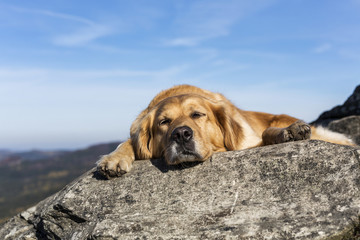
[[114, 166], [295, 132]]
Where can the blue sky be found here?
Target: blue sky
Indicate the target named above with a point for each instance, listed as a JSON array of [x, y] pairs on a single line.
[[74, 73]]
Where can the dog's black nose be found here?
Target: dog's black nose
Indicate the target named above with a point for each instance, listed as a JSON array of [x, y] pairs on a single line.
[[182, 134]]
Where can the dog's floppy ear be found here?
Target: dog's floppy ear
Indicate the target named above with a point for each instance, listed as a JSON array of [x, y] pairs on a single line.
[[141, 135], [231, 130]]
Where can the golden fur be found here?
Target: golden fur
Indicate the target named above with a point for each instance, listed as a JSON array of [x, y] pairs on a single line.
[[186, 123]]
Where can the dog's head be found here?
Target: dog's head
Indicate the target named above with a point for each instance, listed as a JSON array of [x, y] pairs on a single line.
[[185, 128]]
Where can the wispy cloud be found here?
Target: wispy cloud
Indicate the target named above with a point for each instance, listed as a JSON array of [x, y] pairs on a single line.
[[52, 14], [64, 75], [83, 35], [323, 48], [203, 20], [86, 31], [183, 41]]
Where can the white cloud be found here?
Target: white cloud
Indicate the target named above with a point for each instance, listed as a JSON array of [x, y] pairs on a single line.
[[63, 75], [86, 30], [52, 14], [323, 48], [83, 36], [184, 42], [203, 20]]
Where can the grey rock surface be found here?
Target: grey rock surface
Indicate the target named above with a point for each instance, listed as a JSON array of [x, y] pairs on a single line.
[[349, 108], [300, 190], [349, 126]]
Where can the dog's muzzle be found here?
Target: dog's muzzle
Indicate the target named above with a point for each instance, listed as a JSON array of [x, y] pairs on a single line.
[[183, 146], [182, 135]]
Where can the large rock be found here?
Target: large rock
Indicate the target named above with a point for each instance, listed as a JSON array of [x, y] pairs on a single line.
[[349, 108], [349, 126], [301, 190], [344, 118]]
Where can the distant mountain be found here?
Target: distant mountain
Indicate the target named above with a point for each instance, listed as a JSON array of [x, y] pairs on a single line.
[[4, 153], [37, 154], [29, 155], [25, 180]]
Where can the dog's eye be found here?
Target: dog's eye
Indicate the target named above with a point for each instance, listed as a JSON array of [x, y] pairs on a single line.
[[164, 121], [195, 115]]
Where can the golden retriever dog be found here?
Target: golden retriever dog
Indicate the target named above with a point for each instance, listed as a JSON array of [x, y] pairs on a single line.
[[187, 124]]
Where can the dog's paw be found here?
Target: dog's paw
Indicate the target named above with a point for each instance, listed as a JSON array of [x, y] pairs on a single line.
[[114, 166], [295, 132]]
